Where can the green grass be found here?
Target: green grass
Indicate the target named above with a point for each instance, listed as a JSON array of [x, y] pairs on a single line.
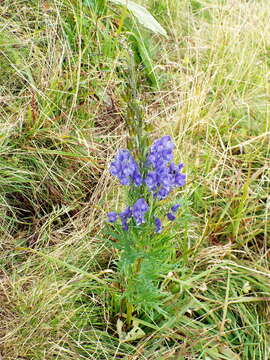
[[62, 109]]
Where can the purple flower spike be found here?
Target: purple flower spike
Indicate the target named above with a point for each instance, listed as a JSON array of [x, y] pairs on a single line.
[[171, 217], [112, 217], [158, 225], [139, 209], [163, 175], [175, 207]]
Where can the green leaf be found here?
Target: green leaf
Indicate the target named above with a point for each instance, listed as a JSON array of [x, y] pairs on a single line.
[[142, 15]]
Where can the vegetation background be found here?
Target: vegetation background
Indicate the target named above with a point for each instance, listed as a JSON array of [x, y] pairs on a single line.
[[62, 117]]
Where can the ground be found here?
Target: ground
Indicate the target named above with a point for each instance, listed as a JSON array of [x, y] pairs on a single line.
[[63, 114]]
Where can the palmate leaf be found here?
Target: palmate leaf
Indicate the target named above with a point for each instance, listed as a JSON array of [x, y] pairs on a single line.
[[115, 235], [142, 15]]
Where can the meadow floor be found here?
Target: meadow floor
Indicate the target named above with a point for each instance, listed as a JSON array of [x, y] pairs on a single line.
[[63, 71]]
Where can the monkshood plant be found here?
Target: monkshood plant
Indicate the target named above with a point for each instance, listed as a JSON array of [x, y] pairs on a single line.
[[142, 230]]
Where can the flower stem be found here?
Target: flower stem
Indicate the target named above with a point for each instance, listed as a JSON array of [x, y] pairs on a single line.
[[129, 313]]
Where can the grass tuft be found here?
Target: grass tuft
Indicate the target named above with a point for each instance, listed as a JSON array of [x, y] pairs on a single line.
[[63, 71]]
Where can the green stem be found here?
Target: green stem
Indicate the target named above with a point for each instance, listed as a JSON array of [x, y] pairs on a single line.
[[138, 266], [129, 313]]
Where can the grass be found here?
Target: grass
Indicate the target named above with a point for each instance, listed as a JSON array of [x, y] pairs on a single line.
[[62, 115]]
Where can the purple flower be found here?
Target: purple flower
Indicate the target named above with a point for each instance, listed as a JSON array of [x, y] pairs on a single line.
[[175, 207], [161, 151], [158, 225], [141, 204], [126, 214], [151, 180], [137, 178], [124, 224], [171, 217], [126, 169], [112, 217], [163, 193], [139, 209], [163, 177], [175, 168], [178, 178]]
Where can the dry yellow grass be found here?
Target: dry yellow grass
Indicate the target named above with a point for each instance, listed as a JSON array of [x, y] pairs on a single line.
[[214, 100]]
